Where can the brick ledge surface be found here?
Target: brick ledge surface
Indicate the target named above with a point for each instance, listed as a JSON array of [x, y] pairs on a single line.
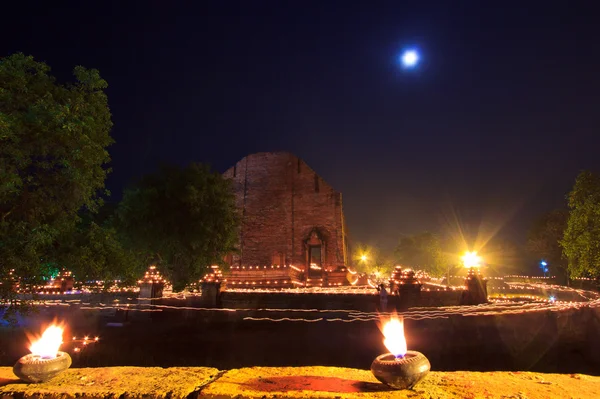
[[290, 382]]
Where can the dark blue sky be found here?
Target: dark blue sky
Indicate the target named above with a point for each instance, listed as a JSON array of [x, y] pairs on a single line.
[[491, 129]]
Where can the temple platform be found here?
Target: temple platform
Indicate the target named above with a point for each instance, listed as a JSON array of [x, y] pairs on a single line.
[[290, 382]]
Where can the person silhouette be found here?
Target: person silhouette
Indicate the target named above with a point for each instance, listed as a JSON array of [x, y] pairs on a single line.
[[383, 297]]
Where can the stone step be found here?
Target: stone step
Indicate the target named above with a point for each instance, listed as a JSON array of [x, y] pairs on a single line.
[[290, 382]]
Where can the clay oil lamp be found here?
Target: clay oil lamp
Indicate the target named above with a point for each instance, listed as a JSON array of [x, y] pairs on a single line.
[[400, 368], [45, 360]]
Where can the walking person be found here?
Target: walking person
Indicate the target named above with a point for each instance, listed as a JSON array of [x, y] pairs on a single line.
[[383, 297]]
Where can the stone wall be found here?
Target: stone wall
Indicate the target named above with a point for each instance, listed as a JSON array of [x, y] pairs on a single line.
[[290, 382], [282, 200], [360, 302], [546, 340]]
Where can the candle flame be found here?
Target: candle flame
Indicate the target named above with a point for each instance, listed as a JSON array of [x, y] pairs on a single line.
[[47, 346], [394, 341]]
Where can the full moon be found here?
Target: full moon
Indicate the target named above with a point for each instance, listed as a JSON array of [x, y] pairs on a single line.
[[409, 58]]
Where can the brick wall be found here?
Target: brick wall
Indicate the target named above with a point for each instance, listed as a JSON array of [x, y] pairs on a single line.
[[282, 200]]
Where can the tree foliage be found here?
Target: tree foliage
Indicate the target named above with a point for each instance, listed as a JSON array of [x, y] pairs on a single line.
[[581, 240], [185, 217], [422, 251], [544, 240], [503, 256], [371, 260], [53, 156], [94, 251]]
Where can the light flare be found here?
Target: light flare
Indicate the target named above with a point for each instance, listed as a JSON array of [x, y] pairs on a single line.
[[47, 346], [471, 259]]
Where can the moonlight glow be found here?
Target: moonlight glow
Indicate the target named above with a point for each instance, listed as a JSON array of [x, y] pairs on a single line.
[[410, 58]]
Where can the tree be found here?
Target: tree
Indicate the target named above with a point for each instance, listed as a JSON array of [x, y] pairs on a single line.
[[371, 261], [185, 217], [422, 251], [581, 240], [94, 251], [544, 240], [53, 156]]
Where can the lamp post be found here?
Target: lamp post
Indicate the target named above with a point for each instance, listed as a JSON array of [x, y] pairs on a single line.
[[476, 285], [364, 259], [544, 267], [471, 259]]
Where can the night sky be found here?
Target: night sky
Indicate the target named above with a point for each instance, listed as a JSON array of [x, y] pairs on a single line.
[[487, 133]]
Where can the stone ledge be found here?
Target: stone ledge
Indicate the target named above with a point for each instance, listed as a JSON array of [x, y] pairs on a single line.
[[111, 382], [290, 382]]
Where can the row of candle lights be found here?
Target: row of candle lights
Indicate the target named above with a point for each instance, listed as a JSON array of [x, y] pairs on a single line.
[[301, 285], [152, 276], [264, 267], [214, 276], [399, 369]]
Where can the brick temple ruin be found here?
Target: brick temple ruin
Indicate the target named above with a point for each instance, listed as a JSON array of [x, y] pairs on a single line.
[[293, 231]]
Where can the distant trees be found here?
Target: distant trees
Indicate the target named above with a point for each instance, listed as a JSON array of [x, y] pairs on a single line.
[[581, 240], [544, 240], [53, 163], [370, 260], [53, 158], [184, 218], [502, 255], [94, 250], [422, 251]]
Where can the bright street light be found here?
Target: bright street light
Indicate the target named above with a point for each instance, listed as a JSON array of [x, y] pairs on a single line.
[[471, 259], [544, 267], [363, 258]]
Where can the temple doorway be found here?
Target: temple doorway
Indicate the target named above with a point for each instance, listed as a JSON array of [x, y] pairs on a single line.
[[314, 246], [315, 269]]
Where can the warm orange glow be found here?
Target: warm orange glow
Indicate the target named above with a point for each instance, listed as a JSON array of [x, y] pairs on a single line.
[[47, 346], [471, 259], [395, 342]]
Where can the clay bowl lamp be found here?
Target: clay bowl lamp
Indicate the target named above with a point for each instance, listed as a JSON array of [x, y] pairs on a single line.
[[400, 368], [45, 360]]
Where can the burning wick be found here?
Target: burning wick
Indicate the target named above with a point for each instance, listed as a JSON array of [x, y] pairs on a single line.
[[395, 342], [47, 346], [45, 360]]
